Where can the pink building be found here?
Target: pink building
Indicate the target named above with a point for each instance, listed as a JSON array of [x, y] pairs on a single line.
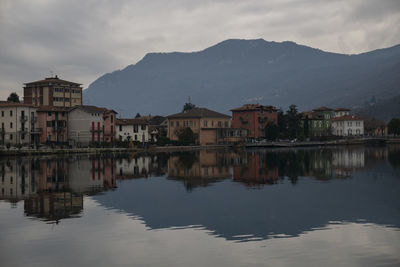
[[53, 123]]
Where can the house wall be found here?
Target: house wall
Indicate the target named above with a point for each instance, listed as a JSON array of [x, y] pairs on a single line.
[[254, 121], [54, 126], [109, 126], [80, 127], [126, 132], [348, 127], [18, 125]]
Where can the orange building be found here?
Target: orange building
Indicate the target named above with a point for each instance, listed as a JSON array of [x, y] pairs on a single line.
[[254, 118], [53, 123], [203, 122], [53, 92]]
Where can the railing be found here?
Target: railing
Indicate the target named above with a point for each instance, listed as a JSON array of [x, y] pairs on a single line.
[[33, 119], [95, 130], [58, 128], [24, 130], [36, 130]]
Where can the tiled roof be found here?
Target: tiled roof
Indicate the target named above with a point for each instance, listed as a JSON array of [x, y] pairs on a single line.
[[13, 104], [255, 107], [51, 108], [90, 109], [322, 109], [347, 118], [130, 121], [52, 80], [198, 113]]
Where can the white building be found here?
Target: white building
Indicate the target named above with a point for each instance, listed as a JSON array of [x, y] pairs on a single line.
[[19, 124], [85, 125], [339, 112], [132, 130], [347, 126]]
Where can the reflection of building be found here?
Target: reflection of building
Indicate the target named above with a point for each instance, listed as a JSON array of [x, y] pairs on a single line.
[[344, 162], [199, 169], [203, 122], [54, 205], [254, 169], [136, 167], [17, 180], [53, 92]]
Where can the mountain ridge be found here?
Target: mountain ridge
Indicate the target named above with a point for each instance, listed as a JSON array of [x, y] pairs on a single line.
[[236, 71]]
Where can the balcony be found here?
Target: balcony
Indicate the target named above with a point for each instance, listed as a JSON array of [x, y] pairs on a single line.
[[23, 118], [36, 130], [23, 130], [58, 128], [33, 119], [95, 130]]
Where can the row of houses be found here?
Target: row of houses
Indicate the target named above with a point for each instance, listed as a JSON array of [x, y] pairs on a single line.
[[52, 113]]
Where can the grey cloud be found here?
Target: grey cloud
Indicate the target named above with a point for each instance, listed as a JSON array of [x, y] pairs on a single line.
[[81, 40]]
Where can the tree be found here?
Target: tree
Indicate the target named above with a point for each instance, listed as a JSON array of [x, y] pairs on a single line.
[[188, 106], [13, 97], [293, 121], [394, 126], [271, 131], [138, 115], [185, 136], [281, 124], [306, 127]]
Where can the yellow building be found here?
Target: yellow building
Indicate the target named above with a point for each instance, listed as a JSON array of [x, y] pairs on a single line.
[[203, 122], [53, 92]]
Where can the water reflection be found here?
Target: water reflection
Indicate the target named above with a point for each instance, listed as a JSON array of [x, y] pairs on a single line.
[[298, 190]]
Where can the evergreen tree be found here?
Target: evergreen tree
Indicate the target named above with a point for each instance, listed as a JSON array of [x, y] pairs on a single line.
[[13, 97], [293, 121]]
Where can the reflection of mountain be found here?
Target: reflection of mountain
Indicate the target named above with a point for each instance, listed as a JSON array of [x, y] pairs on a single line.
[[229, 210]]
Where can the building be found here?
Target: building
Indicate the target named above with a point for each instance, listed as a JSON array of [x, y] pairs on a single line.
[[19, 124], [132, 130], [53, 123], [86, 125], [203, 122], [347, 126], [53, 92], [254, 118], [109, 117], [339, 112], [319, 121], [157, 126]]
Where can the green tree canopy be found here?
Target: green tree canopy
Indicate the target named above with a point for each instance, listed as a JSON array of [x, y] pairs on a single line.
[[293, 121], [185, 136], [188, 106], [394, 126], [13, 97], [271, 131]]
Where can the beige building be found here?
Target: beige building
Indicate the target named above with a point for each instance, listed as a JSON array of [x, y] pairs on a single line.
[[203, 122], [53, 92], [19, 124]]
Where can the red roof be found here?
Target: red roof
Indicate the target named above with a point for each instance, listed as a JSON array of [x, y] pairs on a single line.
[[14, 104], [130, 121], [347, 118], [53, 80], [255, 107], [322, 109]]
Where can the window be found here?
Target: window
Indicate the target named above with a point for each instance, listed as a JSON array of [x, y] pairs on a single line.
[[143, 127], [112, 118], [177, 124], [226, 124], [220, 124], [135, 137], [66, 99], [10, 113], [11, 125], [22, 136], [11, 137], [2, 113], [120, 128], [172, 124], [48, 123], [205, 123]]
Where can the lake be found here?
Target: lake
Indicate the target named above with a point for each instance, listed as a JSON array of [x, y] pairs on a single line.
[[336, 206]]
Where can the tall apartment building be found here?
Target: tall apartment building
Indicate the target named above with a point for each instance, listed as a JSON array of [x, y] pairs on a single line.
[[53, 92], [19, 124]]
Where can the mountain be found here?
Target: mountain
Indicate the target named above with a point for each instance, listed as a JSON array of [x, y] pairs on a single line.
[[235, 72]]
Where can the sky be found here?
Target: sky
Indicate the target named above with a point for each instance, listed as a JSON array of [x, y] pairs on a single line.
[[82, 40]]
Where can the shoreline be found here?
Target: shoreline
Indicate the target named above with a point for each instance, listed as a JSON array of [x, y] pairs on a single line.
[[56, 151]]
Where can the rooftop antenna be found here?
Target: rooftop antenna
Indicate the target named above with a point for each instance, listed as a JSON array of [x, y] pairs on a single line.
[[188, 99]]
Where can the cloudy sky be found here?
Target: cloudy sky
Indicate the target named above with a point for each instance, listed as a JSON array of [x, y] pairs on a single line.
[[82, 40]]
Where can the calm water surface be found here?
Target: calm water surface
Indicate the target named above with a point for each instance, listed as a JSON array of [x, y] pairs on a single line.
[[295, 207]]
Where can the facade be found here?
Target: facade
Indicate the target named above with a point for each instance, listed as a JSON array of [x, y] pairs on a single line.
[[110, 117], [19, 124], [339, 112], [85, 125], [254, 118], [319, 121], [53, 92], [53, 122], [132, 130], [203, 122], [347, 126]]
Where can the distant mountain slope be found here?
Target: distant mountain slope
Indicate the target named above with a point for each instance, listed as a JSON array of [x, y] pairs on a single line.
[[235, 72]]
